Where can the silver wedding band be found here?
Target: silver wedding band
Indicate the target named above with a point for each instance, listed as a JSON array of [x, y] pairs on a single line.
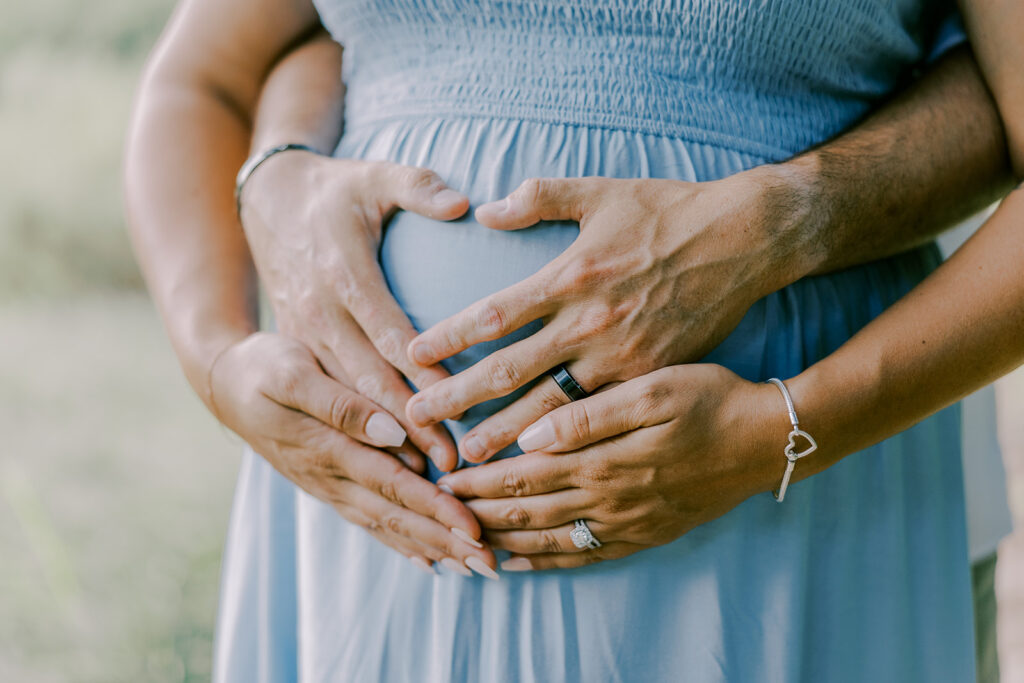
[[568, 383], [582, 537]]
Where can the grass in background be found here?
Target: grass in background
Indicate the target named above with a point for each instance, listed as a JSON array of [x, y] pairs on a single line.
[[67, 75], [115, 487]]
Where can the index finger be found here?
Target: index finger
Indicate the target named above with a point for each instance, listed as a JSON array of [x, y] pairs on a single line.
[[490, 318]]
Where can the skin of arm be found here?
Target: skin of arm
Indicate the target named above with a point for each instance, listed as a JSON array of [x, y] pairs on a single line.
[[962, 328], [190, 132]]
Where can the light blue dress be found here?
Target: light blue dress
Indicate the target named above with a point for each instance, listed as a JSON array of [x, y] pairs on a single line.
[[861, 575]]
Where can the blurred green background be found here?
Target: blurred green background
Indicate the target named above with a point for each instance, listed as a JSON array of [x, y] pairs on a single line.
[[115, 484]]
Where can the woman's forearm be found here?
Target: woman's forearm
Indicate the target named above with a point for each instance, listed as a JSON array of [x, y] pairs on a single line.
[[928, 159], [189, 135], [302, 100], [959, 330]]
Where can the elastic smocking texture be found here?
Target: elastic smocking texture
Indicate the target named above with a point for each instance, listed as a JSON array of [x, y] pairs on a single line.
[[769, 78]]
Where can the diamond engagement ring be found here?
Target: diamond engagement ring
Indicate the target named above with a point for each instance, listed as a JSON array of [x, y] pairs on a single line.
[[582, 537]]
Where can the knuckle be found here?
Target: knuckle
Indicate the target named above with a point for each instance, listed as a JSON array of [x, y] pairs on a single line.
[[513, 484], [552, 399], [389, 492], [517, 516], [343, 410], [390, 343], [650, 395], [533, 190], [322, 463], [549, 541], [503, 375], [373, 526], [393, 523], [491, 318], [288, 378], [579, 421], [597, 475], [420, 178]]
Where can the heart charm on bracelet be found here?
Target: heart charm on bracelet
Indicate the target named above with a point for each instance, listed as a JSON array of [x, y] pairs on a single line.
[[812, 445]]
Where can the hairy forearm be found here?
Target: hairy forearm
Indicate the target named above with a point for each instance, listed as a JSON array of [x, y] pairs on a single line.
[[959, 330], [924, 161]]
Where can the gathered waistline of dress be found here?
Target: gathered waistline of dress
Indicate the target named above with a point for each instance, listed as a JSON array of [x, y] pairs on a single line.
[[420, 113]]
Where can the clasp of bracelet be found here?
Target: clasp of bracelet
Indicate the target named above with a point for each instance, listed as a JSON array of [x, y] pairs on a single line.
[[791, 448]]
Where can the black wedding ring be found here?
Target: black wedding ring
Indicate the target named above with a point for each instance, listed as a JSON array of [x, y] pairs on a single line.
[[568, 383]]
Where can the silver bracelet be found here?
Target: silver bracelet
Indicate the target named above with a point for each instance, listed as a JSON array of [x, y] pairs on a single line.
[[253, 162], [791, 456]]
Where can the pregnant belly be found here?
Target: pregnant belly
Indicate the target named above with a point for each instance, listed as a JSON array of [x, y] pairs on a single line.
[[436, 269]]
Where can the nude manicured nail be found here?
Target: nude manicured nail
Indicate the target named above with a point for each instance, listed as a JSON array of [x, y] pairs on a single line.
[[422, 565], [459, 533], [385, 430], [477, 565], [447, 489], [455, 566], [516, 564], [540, 434]]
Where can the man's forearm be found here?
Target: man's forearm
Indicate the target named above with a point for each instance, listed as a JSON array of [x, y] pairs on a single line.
[[924, 161]]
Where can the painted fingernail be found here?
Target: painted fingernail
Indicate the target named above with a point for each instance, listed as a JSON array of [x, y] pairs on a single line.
[[454, 566], [420, 412], [422, 565], [422, 353], [385, 430], [540, 434], [516, 564], [446, 488], [446, 197], [407, 459], [473, 448], [477, 565], [459, 533]]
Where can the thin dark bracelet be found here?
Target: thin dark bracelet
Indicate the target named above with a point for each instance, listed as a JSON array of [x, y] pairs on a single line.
[[253, 162]]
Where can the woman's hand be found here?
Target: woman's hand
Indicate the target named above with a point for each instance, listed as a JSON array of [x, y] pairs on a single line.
[[328, 440], [642, 463], [314, 227], [662, 271]]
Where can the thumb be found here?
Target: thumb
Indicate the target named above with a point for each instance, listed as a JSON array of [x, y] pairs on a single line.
[[538, 199], [421, 191]]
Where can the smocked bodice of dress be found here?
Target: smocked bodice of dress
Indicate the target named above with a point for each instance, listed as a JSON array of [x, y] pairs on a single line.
[[769, 77]]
